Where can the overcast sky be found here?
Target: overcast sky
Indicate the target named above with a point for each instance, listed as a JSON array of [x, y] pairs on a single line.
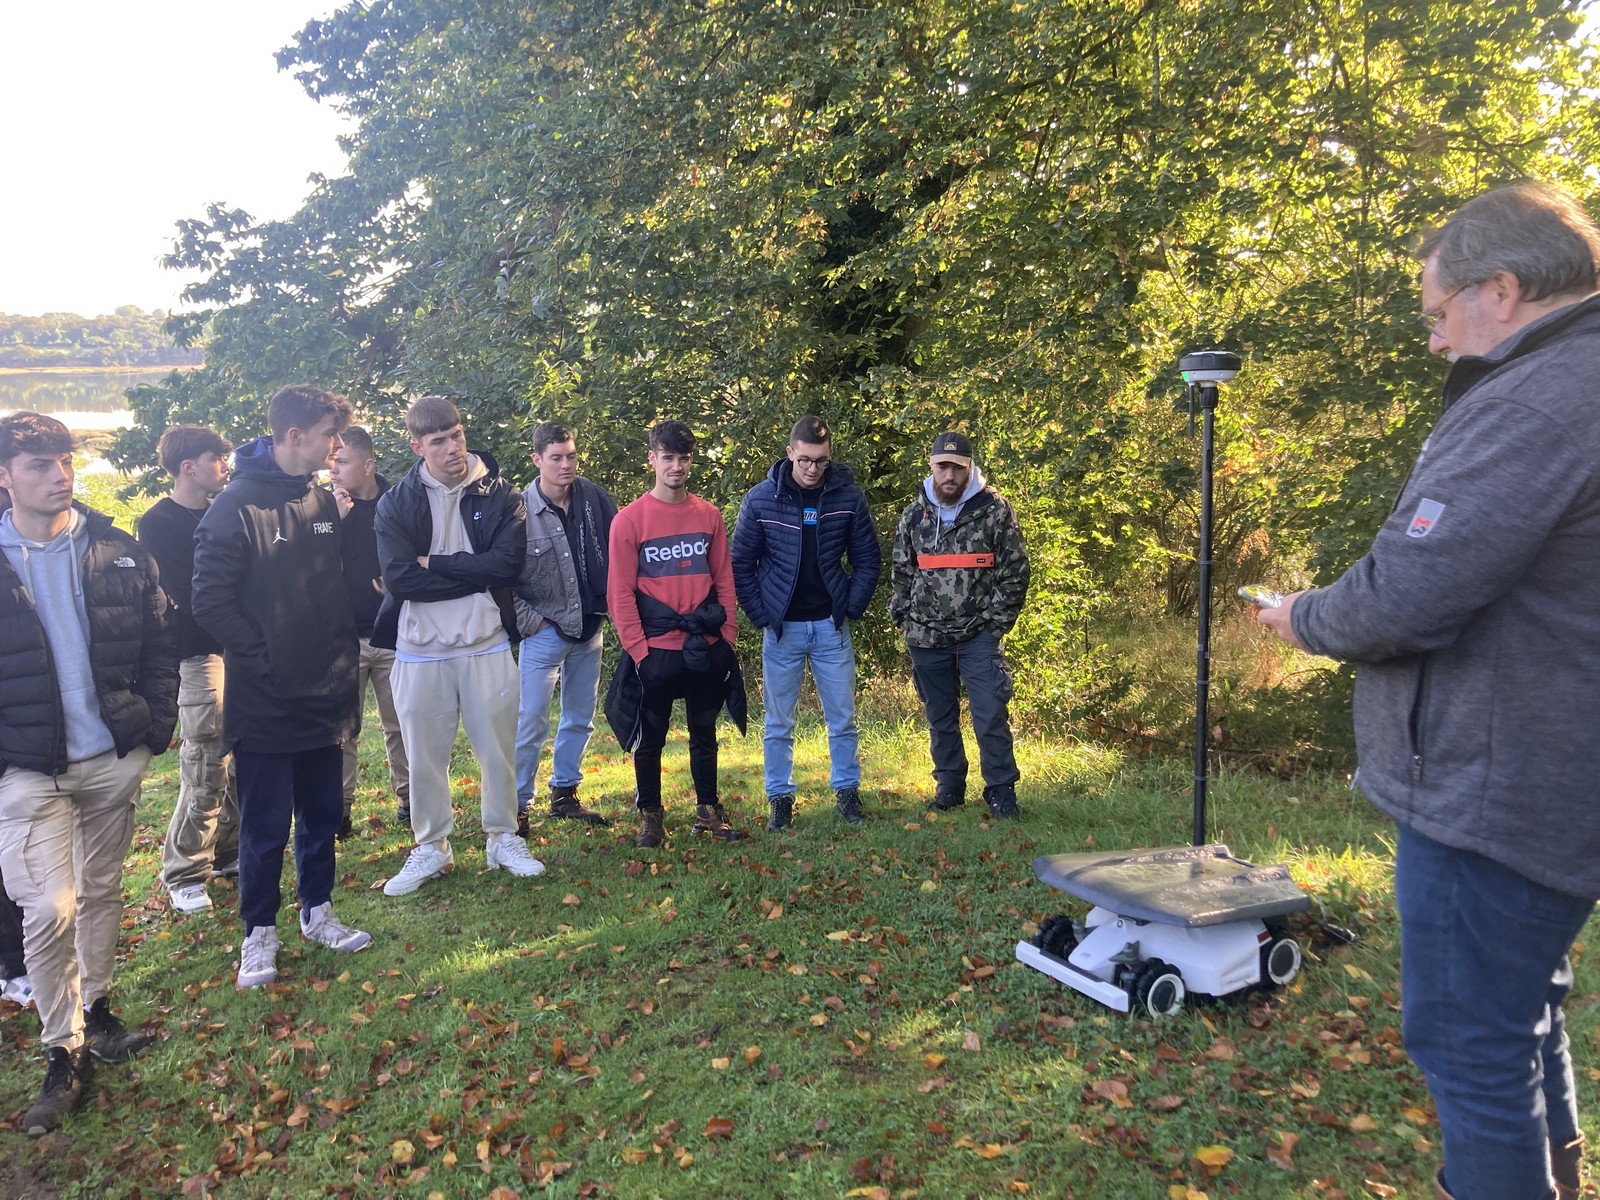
[[120, 118]]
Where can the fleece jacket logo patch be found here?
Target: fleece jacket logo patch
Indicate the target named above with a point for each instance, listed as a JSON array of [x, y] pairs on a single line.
[[1425, 518]]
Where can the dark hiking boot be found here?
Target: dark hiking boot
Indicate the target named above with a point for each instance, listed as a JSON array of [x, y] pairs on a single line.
[[402, 813], [108, 1038], [847, 802], [713, 819], [1002, 801], [651, 830], [1566, 1165], [564, 803], [346, 828], [780, 811], [946, 799], [67, 1075], [522, 823]]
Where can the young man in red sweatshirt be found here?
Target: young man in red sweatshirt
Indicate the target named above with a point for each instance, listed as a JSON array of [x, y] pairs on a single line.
[[670, 593]]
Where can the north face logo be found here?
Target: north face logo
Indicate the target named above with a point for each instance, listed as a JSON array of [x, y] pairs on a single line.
[[124, 561]]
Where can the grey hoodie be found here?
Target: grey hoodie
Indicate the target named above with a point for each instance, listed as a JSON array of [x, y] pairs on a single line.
[[466, 625], [50, 573], [1475, 617]]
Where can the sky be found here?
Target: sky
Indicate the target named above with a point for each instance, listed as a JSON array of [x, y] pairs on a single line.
[[121, 118]]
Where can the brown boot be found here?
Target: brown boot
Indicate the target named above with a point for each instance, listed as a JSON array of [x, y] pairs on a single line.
[[1566, 1164], [713, 819], [651, 831], [564, 803]]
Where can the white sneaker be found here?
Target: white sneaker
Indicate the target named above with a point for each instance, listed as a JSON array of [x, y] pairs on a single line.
[[258, 957], [190, 898], [509, 852], [321, 926], [18, 989], [422, 864]]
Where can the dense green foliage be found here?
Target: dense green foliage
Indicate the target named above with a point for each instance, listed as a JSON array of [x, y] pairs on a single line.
[[903, 216], [129, 337]]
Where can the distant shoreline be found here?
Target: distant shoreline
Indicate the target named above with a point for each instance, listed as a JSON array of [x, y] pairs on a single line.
[[97, 370]]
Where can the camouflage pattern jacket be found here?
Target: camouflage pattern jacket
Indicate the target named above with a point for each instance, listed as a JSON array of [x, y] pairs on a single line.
[[937, 605]]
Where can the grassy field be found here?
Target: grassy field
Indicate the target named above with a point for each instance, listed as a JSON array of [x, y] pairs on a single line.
[[825, 1012]]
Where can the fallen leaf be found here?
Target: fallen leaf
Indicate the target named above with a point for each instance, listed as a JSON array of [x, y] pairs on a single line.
[[402, 1151], [721, 1064], [1113, 1090], [970, 1042], [933, 1061], [777, 911], [718, 1127], [1362, 1123], [572, 899], [930, 885], [751, 1053], [1165, 1103], [1282, 1155], [818, 1019], [632, 1154], [839, 935], [1214, 1157]]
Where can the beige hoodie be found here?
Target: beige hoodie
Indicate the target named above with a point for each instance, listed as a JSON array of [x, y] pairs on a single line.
[[450, 628]]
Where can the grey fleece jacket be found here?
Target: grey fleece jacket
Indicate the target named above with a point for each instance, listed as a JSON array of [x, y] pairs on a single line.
[[50, 572], [1475, 616]]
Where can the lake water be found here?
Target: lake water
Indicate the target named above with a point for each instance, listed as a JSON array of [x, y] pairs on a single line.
[[81, 400]]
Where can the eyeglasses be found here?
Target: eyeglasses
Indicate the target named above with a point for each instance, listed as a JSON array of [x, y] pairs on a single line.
[[1430, 319], [811, 464]]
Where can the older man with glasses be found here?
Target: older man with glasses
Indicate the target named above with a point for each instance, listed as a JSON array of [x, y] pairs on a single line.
[[1474, 622], [797, 529]]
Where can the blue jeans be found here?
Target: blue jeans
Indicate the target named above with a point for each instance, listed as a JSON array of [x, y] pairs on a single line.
[[979, 664], [833, 669], [547, 659], [1483, 960]]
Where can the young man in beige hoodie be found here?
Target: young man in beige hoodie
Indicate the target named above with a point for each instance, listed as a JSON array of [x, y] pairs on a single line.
[[452, 540]]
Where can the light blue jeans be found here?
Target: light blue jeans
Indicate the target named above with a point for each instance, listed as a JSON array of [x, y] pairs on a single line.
[[832, 656], [549, 659], [1484, 972]]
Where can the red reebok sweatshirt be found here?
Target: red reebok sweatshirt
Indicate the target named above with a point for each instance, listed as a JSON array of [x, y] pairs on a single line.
[[673, 553]]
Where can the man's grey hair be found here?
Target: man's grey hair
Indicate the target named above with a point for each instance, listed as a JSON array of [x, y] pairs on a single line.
[[1534, 231]]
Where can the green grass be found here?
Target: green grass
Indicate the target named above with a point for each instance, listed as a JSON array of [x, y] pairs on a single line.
[[826, 1012]]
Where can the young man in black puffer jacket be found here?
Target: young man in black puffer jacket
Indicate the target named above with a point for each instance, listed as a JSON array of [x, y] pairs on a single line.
[[91, 693]]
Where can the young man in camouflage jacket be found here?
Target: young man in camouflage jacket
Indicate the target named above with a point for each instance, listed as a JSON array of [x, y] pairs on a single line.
[[960, 577]]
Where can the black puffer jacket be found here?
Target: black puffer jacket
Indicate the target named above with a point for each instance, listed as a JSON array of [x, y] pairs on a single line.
[[131, 651], [269, 585], [496, 520]]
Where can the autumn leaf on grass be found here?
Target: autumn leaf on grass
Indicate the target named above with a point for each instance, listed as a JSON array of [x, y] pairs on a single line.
[[971, 1042], [402, 1151], [1221, 1050], [1113, 1090], [718, 1127], [1182, 1191], [1213, 1158], [933, 1061], [1362, 1123], [751, 1053], [1282, 1155], [1165, 1103], [634, 1155], [775, 912], [870, 1193], [572, 899]]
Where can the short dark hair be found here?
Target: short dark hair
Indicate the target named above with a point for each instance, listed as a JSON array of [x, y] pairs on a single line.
[[185, 443], [813, 431], [1534, 231], [431, 414], [301, 406], [359, 440], [672, 436], [549, 433], [32, 433]]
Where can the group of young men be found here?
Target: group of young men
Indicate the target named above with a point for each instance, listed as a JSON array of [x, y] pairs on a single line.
[[252, 612]]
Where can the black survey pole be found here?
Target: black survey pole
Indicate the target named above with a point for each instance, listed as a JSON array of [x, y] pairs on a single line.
[[1202, 370]]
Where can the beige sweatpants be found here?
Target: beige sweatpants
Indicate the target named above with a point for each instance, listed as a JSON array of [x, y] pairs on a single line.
[[433, 699], [62, 842]]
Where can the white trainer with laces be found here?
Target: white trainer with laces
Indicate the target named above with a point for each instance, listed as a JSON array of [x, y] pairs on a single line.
[[190, 898], [321, 926], [425, 862], [258, 957], [18, 989], [506, 851]]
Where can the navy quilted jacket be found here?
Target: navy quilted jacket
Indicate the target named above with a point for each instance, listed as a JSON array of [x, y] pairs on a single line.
[[766, 546]]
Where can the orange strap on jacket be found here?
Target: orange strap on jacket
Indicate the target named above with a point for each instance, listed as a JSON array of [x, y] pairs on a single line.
[[932, 562]]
